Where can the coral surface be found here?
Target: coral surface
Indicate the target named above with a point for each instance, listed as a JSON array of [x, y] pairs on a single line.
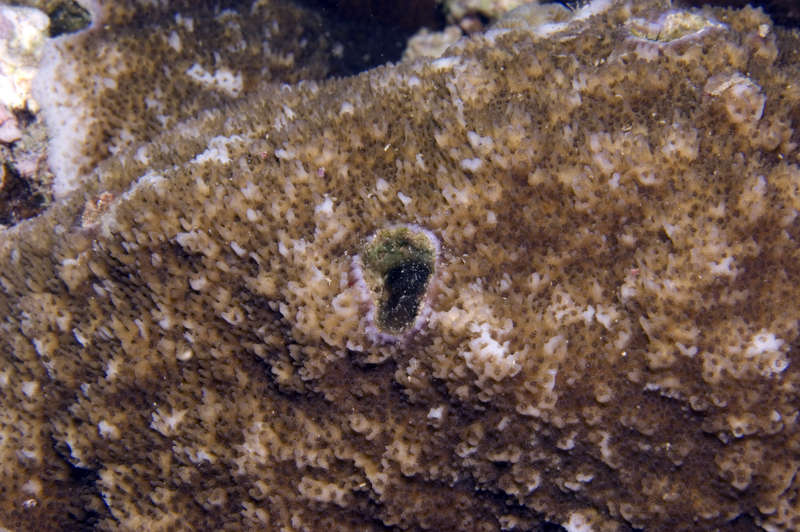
[[589, 227]]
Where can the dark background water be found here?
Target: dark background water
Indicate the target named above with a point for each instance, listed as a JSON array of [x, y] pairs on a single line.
[[414, 14]]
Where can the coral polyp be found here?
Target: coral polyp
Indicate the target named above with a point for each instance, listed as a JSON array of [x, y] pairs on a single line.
[[394, 271]]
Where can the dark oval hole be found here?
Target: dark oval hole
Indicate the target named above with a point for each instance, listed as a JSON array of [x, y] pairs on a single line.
[[398, 265], [404, 286]]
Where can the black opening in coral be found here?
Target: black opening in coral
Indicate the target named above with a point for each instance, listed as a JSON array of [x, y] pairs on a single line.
[[404, 287], [398, 265]]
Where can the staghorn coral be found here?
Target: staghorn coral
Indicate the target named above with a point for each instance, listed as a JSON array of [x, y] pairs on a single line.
[[611, 343]]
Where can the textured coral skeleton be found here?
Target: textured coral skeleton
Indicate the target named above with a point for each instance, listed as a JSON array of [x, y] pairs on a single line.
[[612, 341]]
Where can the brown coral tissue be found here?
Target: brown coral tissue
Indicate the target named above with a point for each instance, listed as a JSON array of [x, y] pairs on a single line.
[[549, 278]]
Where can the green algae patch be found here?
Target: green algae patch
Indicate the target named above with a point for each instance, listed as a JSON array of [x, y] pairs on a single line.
[[394, 247]]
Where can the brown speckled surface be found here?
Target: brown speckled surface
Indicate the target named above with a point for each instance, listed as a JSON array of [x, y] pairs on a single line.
[[613, 335]]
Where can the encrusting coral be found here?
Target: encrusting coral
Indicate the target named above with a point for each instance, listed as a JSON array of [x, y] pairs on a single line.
[[611, 337]]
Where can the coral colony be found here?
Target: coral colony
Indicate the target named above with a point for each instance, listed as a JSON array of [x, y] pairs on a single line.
[[550, 277]]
